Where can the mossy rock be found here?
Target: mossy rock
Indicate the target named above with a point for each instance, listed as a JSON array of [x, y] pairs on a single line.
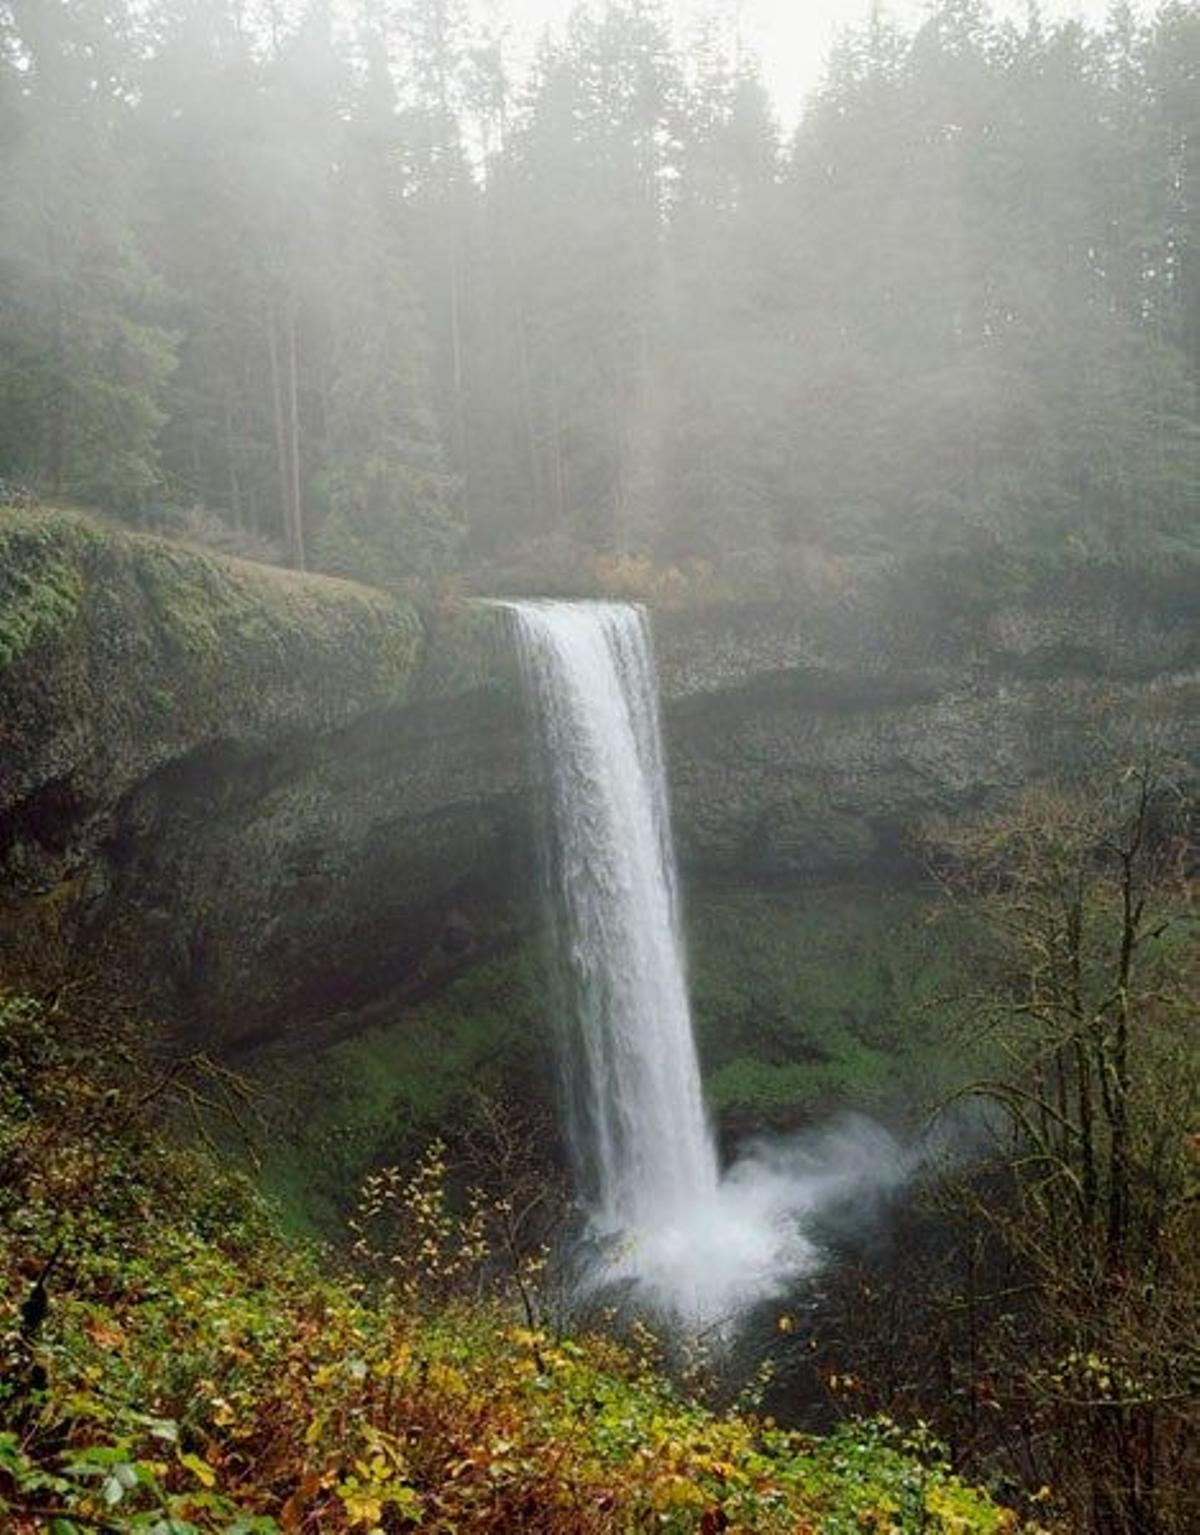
[[393, 1079], [806, 1003], [118, 648]]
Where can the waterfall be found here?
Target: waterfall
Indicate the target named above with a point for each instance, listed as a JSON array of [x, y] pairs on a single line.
[[635, 1109], [697, 1246]]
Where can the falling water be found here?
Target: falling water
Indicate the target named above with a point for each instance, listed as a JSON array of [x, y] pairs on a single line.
[[697, 1245], [636, 1112]]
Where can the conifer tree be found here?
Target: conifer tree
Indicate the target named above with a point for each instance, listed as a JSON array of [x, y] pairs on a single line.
[[84, 357]]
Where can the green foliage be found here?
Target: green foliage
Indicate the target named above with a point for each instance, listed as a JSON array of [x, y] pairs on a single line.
[[191, 1372], [389, 525], [84, 355], [391, 516], [1047, 1270], [331, 1114], [955, 315], [806, 1004]]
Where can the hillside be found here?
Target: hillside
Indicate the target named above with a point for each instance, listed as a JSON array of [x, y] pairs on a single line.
[[173, 1365]]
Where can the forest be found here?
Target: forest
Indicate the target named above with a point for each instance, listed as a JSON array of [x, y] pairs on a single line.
[[599, 772], [340, 282]]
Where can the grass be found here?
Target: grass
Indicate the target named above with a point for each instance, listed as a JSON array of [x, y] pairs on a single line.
[[329, 1114], [811, 1001]]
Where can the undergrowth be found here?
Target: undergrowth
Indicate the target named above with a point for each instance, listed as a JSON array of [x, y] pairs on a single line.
[[172, 1364]]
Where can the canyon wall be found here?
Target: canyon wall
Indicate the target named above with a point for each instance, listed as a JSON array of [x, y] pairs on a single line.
[[269, 803]]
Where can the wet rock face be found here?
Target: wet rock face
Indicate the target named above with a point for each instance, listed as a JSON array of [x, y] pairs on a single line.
[[287, 886], [268, 800], [810, 740], [802, 788], [252, 794], [246, 889]]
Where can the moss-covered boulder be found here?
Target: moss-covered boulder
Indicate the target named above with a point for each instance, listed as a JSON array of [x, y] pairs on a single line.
[[119, 653], [247, 793]]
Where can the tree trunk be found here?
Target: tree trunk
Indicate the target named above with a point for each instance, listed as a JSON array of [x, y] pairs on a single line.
[[281, 452], [235, 486], [294, 421], [531, 454], [56, 447], [560, 474]]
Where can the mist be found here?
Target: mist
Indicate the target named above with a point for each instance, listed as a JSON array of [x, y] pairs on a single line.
[[757, 1239], [370, 298], [599, 635]]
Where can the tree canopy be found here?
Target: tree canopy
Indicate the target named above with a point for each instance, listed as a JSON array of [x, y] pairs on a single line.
[[346, 280]]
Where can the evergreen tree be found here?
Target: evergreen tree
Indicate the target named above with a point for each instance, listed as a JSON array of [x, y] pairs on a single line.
[[390, 495], [84, 356], [415, 305], [728, 350]]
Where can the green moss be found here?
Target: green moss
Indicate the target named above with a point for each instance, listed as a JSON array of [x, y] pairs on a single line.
[[753, 1093], [199, 607], [217, 615], [809, 1001], [470, 651], [40, 585], [212, 609], [332, 1113], [805, 1002], [162, 648]]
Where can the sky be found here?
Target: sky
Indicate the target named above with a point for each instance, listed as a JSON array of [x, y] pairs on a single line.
[[790, 37]]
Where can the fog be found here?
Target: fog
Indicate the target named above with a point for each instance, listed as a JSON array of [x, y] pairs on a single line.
[[854, 353], [352, 290], [791, 41]]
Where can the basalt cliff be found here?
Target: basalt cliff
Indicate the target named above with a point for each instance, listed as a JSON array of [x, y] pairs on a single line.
[[285, 807]]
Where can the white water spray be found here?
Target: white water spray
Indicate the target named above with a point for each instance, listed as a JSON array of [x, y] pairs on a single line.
[[697, 1246]]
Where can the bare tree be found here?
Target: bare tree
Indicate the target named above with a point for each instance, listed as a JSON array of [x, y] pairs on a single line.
[[1083, 1288]]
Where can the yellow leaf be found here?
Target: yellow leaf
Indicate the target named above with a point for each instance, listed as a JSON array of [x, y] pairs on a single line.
[[200, 1469], [361, 1507], [105, 1332]]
